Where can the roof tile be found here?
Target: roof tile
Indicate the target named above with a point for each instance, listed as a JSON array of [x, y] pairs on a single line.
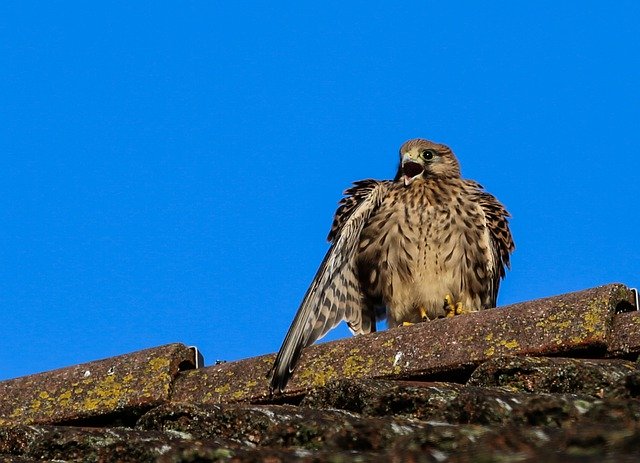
[[123, 384], [570, 323], [489, 385], [595, 377]]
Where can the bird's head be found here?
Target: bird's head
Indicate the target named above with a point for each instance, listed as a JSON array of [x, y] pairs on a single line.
[[421, 159]]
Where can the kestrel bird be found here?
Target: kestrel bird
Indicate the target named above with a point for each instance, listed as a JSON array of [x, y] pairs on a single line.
[[426, 245]]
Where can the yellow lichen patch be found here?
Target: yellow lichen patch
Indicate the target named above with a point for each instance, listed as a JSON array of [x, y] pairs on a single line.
[[553, 322], [251, 384], [394, 369], [489, 337], [592, 317], [222, 389], [503, 343], [159, 363], [318, 377], [355, 366], [513, 344], [319, 370], [44, 395], [388, 343], [64, 397], [238, 395], [105, 394]]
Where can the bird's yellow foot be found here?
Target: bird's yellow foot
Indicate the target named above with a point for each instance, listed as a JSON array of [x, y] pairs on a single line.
[[423, 316], [452, 309]]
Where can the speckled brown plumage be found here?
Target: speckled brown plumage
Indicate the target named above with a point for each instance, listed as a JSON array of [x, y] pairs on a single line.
[[399, 248]]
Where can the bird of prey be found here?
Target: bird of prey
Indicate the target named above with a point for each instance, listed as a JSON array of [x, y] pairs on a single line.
[[425, 245]]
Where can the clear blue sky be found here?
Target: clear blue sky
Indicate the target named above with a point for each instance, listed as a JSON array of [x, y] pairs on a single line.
[[169, 170]]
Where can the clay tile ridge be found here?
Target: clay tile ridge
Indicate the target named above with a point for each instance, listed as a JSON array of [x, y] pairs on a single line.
[[597, 322]]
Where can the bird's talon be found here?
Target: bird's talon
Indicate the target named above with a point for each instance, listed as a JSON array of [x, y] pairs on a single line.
[[407, 323], [423, 314], [449, 306]]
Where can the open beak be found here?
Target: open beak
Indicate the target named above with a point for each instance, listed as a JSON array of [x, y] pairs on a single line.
[[410, 169]]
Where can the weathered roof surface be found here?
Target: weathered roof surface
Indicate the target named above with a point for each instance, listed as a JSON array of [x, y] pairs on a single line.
[[574, 323], [545, 380], [128, 384]]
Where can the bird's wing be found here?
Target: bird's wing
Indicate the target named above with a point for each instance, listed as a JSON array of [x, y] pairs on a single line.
[[501, 240], [334, 294], [353, 197]]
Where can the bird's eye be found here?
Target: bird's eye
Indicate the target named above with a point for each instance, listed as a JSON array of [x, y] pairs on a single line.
[[427, 155]]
